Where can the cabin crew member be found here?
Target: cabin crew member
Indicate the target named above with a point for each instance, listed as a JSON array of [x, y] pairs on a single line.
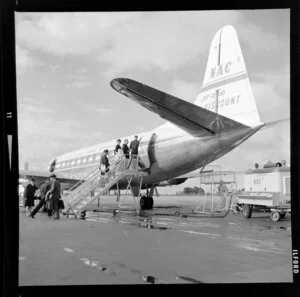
[[43, 190], [29, 196], [55, 191], [104, 163], [118, 146], [134, 146], [126, 149]]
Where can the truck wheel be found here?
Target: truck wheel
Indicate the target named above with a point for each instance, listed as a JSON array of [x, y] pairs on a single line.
[[247, 211], [275, 216]]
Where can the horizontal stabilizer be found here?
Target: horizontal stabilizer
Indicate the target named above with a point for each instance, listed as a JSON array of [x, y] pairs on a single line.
[[193, 119], [274, 123]]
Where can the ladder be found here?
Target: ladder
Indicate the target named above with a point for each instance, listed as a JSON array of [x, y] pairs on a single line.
[[81, 194]]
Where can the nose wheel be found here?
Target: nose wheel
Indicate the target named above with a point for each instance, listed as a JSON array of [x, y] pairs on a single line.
[[146, 202]]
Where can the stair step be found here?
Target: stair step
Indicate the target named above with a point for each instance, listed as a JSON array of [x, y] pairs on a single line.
[[80, 198]]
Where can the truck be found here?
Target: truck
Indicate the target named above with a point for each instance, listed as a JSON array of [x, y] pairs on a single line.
[[266, 189]]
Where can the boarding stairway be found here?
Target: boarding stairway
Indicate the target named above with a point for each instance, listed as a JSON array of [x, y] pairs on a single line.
[[82, 194]]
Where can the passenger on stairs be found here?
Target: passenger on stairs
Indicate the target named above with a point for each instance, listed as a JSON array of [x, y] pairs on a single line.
[[118, 146], [104, 163], [134, 147], [126, 149]]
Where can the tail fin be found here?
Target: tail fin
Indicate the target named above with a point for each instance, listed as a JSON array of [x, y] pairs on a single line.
[[226, 88]]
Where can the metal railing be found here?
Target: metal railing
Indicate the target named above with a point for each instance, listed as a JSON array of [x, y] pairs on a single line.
[[96, 178]]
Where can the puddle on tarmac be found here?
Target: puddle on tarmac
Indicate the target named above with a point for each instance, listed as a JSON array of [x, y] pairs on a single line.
[[275, 227], [149, 224]]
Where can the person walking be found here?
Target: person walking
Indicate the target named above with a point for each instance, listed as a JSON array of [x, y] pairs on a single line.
[[44, 188], [29, 195], [55, 192], [104, 163]]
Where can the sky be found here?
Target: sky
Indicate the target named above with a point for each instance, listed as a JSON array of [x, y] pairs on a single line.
[[65, 62]]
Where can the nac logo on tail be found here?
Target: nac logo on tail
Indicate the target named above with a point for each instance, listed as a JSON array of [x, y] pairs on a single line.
[[220, 70]]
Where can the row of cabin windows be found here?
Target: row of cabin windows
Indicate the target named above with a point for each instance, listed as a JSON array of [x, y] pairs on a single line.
[[78, 161], [86, 159]]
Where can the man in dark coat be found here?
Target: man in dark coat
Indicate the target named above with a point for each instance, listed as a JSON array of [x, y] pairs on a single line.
[[55, 193], [29, 195], [126, 149], [104, 163], [134, 146], [44, 188]]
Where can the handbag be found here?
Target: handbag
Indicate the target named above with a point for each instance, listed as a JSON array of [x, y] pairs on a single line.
[[48, 197], [61, 204]]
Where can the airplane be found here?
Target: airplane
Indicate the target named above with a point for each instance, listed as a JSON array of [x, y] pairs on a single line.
[[223, 116]]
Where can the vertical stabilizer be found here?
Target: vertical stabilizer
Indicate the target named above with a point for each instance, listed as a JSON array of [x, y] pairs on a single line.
[[226, 88]]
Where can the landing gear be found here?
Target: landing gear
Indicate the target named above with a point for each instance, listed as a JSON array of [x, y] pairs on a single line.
[[146, 202]]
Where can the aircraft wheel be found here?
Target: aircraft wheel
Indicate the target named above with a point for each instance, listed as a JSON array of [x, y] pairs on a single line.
[[275, 216], [150, 202], [247, 211], [143, 202], [82, 215]]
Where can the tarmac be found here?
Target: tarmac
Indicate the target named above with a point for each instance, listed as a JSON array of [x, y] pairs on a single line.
[[153, 247]]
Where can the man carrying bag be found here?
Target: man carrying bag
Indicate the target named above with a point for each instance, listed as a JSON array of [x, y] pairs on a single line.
[[55, 192]]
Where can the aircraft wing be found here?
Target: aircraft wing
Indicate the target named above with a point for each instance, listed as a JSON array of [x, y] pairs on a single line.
[[40, 176], [193, 119]]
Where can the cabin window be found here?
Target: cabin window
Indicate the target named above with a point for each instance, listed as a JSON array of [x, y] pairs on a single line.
[[63, 164], [58, 165], [84, 160], [78, 161], [98, 157], [90, 158], [73, 163]]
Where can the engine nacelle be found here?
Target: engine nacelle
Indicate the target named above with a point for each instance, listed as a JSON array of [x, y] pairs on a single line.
[[172, 182]]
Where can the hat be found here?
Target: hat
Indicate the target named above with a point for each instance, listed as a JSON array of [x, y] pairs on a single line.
[[32, 179], [52, 175]]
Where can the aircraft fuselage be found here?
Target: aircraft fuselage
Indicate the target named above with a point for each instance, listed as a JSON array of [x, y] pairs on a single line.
[[168, 157]]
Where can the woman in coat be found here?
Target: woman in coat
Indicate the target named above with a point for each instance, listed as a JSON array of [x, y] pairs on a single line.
[[29, 196]]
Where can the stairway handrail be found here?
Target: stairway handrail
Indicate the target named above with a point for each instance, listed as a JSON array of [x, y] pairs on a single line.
[[90, 173], [83, 185]]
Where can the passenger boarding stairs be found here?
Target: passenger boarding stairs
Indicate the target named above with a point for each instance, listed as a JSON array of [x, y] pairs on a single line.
[[82, 194]]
